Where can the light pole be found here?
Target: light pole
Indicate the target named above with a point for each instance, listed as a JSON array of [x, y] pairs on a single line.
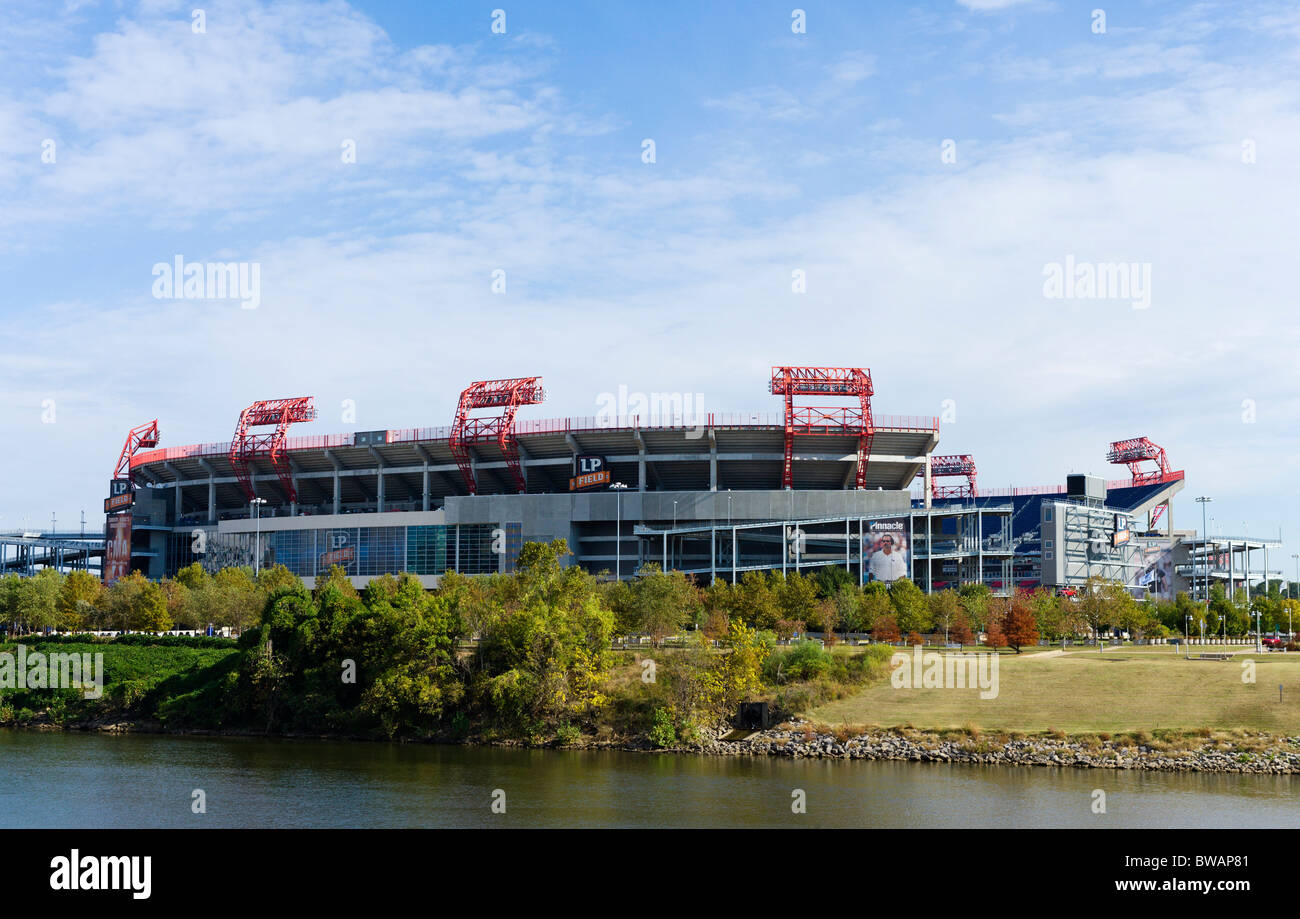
[[257, 525], [618, 531], [674, 515], [1205, 547]]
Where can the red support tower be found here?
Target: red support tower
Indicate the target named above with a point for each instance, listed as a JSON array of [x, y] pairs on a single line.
[[245, 445], [141, 437], [839, 382], [1134, 452], [506, 395], [962, 465]]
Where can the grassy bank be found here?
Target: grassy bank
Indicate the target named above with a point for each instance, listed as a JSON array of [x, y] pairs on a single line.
[[1119, 690], [141, 680]]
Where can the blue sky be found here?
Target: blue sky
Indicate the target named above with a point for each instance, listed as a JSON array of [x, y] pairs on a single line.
[[775, 152]]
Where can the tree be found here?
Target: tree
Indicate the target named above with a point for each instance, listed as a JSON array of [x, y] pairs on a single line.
[[831, 579], [975, 601], [910, 606], [796, 597], [149, 611], [961, 632], [875, 606], [662, 603], [79, 600], [737, 673], [1095, 606], [38, 599], [885, 629], [1018, 626], [945, 606], [993, 636], [755, 601]]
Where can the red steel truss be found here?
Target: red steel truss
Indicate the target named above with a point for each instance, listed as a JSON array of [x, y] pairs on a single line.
[[506, 395], [838, 382], [140, 437], [960, 465], [245, 445], [1134, 452]]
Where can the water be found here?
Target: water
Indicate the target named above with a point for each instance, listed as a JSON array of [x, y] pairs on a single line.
[[92, 780]]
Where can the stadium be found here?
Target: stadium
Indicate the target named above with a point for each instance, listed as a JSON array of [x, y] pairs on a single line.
[[825, 481]]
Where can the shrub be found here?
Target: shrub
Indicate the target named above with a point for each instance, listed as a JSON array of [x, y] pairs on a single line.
[[662, 733], [806, 660]]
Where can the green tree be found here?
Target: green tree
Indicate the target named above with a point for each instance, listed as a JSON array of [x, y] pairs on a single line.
[[80, 599], [945, 606], [910, 606], [975, 601], [756, 602], [796, 597], [149, 612], [663, 603], [38, 599]]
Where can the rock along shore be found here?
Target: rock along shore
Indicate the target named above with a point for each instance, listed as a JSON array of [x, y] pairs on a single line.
[[1278, 756]]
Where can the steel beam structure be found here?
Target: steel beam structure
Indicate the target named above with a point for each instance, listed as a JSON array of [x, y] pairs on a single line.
[[506, 395], [957, 465], [837, 382], [140, 437], [245, 446]]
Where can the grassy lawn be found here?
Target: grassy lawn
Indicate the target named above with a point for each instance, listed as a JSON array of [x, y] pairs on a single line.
[[1124, 689]]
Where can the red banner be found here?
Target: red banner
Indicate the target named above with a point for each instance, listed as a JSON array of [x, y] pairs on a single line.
[[117, 547]]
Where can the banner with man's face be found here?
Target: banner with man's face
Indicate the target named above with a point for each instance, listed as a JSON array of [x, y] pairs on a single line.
[[885, 545]]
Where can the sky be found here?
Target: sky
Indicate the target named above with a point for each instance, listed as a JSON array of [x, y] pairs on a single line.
[[884, 185]]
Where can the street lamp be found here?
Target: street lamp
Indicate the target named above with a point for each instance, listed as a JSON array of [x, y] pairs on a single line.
[[618, 531], [1205, 546], [256, 504]]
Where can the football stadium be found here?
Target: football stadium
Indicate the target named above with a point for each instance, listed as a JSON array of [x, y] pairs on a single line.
[[823, 480]]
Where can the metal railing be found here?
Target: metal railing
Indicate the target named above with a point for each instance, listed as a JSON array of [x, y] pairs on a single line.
[[543, 426]]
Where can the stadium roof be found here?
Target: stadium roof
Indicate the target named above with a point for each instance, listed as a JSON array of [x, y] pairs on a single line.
[[749, 450]]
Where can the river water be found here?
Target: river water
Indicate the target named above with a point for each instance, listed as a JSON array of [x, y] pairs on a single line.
[[75, 780]]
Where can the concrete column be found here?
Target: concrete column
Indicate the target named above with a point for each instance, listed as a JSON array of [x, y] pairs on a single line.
[[424, 489], [713, 461], [379, 498], [338, 493], [212, 500]]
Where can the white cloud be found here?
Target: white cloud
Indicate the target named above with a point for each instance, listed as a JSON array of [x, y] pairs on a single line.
[[673, 277]]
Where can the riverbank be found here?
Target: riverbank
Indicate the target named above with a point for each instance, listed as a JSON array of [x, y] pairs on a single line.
[[1237, 751], [1226, 751]]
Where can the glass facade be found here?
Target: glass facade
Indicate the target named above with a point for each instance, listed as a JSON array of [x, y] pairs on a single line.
[[366, 551]]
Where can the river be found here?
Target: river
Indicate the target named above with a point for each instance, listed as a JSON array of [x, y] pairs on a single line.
[[75, 780]]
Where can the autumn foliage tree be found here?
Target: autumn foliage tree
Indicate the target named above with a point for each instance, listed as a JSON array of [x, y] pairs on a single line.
[[886, 630], [1018, 625], [993, 636], [960, 630]]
